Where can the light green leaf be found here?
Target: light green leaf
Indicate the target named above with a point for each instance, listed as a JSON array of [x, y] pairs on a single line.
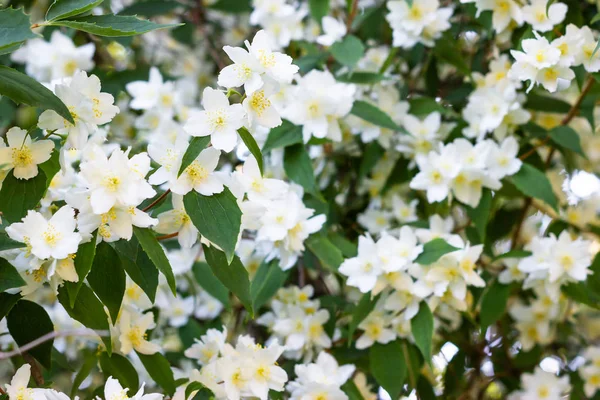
[[328, 254], [15, 28], [534, 183], [348, 51], [159, 369], [267, 281], [62, 9], [120, 368], [388, 366], [361, 78], [197, 144], [298, 167], [112, 25], [493, 304], [422, 329], [433, 250], [513, 254], [209, 282], [9, 276], [22, 89], [284, 135], [107, 278], [568, 138], [138, 266], [233, 275], [28, 321], [252, 146], [373, 114], [87, 309], [218, 218], [156, 254]]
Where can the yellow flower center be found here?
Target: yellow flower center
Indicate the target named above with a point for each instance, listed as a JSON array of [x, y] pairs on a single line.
[[196, 172], [22, 157], [259, 103], [51, 236]]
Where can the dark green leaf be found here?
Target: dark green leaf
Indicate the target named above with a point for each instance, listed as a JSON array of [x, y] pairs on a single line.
[[138, 266], [422, 329], [232, 6], [284, 135], [120, 368], [83, 264], [218, 218], [156, 254], [433, 250], [9, 276], [233, 275], [87, 309], [252, 146], [328, 254], [480, 215], [536, 102], [513, 254], [89, 362], [151, 8], [446, 49], [28, 321], [62, 9], [318, 9], [107, 278], [197, 386], [267, 281], [371, 156], [22, 89], [348, 51], [112, 25], [361, 78], [209, 282], [587, 292], [364, 307], [567, 137], [197, 144], [7, 301], [533, 183], [493, 304], [399, 174], [298, 167], [373, 114], [14, 28], [388, 366], [424, 389], [351, 390], [6, 243], [159, 370]]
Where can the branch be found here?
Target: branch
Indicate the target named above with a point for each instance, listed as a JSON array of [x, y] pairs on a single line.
[[351, 15], [50, 336], [158, 199]]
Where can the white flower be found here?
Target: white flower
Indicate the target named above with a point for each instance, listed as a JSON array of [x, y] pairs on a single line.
[[103, 110], [423, 21], [362, 271], [320, 380], [219, 119], [276, 66], [208, 347], [152, 93], [544, 385], [132, 332], [53, 238], [17, 389], [543, 18], [376, 329], [22, 154], [333, 30], [178, 221], [502, 160], [437, 171], [199, 175], [114, 391], [260, 109]]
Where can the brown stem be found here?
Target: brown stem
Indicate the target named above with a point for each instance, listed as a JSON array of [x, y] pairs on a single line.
[[169, 236], [352, 15], [158, 199], [200, 22], [36, 373]]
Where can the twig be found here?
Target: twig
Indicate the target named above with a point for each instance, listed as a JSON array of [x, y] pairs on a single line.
[[352, 15], [37, 375], [50, 336], [158, 199], [200, 22], [169, 236]]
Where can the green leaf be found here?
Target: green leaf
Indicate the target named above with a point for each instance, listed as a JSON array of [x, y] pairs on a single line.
[[422, 329], [328, 254], [298, 167], [446, 48], [204, 393], [218, 218], [87, 309], [233, 275], [433, 250], [112, 25], [348, 51], [89, 362], [360, 312], [318, 9], [9, 276], [252, 146], [351, 390], [83, 264], [107, 278], [17, 196], [587, 292], [232, 6], [7, 302], [120, 368], [267, 281], [138, 266], [371, 156], [422, 106], [209, 282], [536, 102], [567, 137], [14, 28], [595, 19], [513, 254], [424, 389], [197, 144], [159, 370], [156, 254], [480, 215], [399, 174], [388, 366], [28, 321], [373, 114], [22, 89], [284, 135], [493, 304], [62, 9], [361, 78], [151, 8], [533, 183]]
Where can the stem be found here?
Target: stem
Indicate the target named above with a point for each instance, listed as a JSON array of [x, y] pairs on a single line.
[[352, 15], [200, 22], [158, 199], [169, 236], [50, 336]]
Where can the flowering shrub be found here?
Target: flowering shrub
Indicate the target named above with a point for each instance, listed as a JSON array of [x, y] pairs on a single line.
[[305, 200]]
